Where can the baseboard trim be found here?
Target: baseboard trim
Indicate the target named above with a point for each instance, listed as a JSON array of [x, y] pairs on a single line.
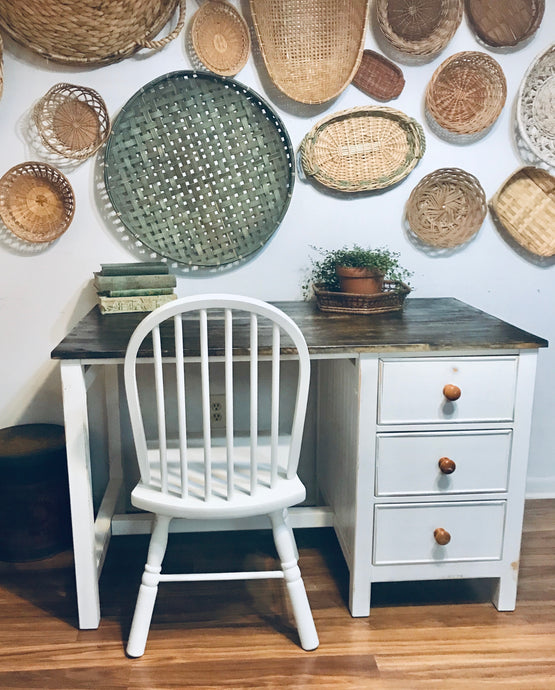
[[540, 487]]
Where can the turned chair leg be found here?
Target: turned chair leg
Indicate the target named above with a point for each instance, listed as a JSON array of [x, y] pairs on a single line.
[[287, 552], [149, 587]]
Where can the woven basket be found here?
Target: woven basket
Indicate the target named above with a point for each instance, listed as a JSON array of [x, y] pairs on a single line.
[[362, 149], [391, 299], [199, 168], [446, 208], [72, 121], [378, 77], [419, 28], [506, 23], [221, 38], [311, 48], [36, 202], [525, 206], [466, 93], [535, 112], [89, 31]]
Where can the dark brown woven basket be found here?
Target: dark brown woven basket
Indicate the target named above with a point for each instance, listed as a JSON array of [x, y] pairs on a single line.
[[507, 23], [89, 31], [378, 77], [391, 299]]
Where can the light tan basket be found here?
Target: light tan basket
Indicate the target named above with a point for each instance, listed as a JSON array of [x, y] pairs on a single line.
[[72, 120], [378, 77], [466, 93], [525, 206], [419, 28], [89, 31], [221, 38], [311, 48], [36, 202], [362, 149], [446, 208], [506, 23]]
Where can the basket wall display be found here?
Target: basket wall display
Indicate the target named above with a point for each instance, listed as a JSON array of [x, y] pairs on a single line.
[[378, 77], [362, 149], [311, 48], [419, 29], [536, 107], [446, 208], [221, 38], [525, 207], [89, 31], [199, 168], [72, 120], [466, 93], [504, 24], [36, 202], [391, 299]]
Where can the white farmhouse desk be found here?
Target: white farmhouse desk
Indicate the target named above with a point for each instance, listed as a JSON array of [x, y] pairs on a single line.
[[416, 486]]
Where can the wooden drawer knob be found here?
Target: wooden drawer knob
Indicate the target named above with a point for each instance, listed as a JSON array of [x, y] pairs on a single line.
[[451, 392], [446, 465], [442, 536]]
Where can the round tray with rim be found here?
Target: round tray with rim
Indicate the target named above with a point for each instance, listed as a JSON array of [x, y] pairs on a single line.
[[199, 168], [466, 93], [504, 24], [36, 201]]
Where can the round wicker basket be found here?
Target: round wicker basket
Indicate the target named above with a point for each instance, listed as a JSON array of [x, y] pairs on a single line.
[[466, 93], [504, 24], [417, 28], [525, 207], [221, 38], [72, 121], [311, 49], [36, 202], [89, 31], [446, 208]]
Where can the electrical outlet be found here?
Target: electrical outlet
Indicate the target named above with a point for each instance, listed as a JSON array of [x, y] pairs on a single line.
[[217, 411]]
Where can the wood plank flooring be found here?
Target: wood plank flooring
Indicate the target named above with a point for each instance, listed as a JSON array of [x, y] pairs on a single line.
[[241, 635]]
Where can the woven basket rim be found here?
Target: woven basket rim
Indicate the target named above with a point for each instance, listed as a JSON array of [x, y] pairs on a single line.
[[327, 89], [45, 171], [487, 33], [207, 12]]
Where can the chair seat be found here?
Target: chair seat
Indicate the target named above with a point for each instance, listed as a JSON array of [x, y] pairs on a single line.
[[264, 500]]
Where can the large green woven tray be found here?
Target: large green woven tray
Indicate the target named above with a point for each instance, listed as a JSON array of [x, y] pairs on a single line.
[[199, 168]]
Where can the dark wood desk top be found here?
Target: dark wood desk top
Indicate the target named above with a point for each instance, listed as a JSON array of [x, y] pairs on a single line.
[[423, 325]]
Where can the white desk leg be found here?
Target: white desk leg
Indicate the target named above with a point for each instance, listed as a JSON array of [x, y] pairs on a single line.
[[80, 491]]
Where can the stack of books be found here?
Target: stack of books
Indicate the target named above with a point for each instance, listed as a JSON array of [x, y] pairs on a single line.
[[140, 286]]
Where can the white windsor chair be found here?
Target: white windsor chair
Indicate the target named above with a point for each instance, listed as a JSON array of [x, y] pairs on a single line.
[[208, 478]]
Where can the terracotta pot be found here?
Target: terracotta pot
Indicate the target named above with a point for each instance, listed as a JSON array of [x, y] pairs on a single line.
[[361, 281]]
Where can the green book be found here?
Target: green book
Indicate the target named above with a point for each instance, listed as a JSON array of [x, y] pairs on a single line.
[[136, 268], [139, 292], [133, 282], [118, 305]]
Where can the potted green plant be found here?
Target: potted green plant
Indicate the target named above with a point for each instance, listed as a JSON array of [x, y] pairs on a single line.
[[354, 270]]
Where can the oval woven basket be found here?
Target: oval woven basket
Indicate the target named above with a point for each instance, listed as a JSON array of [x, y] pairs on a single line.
[[221, 38], [362, 149], [446, 208], [535, 107], [378, 77], [199, 168], [72, 120], [507, 23], [466, 93], [525, 207], [419, 28], [36, 202], [311, 49], [89, 31]]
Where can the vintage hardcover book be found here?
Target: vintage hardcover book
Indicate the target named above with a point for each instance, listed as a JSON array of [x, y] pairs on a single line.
[[139, 292], [118, 305], [135, 268], [133, 282]]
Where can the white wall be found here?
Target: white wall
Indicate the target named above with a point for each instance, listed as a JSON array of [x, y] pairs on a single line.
[[45, 290]]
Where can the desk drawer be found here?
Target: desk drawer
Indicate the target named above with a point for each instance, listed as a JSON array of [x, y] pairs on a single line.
[[408, 463], [404, 533], [411, 391]]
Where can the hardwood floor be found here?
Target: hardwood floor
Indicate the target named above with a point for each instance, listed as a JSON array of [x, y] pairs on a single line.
[[240, 635]]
